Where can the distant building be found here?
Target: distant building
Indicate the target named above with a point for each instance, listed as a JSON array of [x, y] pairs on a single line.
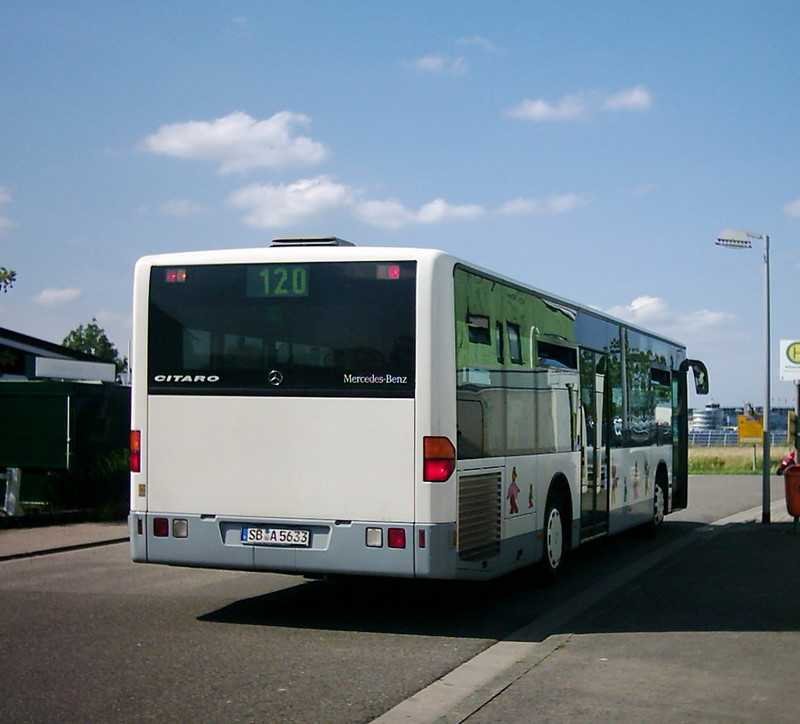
[[27, 358], [715, 418], [705, 419]]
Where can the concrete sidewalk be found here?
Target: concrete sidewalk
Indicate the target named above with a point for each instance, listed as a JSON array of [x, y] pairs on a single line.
[[712, 634], [24, 542], [703, 628]]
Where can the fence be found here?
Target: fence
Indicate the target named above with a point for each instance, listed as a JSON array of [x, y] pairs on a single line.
[[720, 438]]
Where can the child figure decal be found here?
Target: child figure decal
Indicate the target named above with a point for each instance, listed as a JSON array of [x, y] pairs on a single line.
[[513, 492], [614, 484]]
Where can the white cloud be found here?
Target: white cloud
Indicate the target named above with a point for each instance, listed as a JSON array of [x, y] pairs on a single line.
[[574, 106], [792, 208], [567, 108], [53, 297], [439, 210], [391, 214], [279, 205], [5, 195], [642, 310], [655, 313], [637, 98], [479, 41], [702, 319], [181, 208], [440, 64], [547, 206], [271, 206], [238, 142]]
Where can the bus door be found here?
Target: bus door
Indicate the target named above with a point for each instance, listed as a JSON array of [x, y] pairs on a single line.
[[680, 427], [594, 443]]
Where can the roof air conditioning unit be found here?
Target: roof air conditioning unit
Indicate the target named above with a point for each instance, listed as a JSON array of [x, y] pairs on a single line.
[[312, 241]]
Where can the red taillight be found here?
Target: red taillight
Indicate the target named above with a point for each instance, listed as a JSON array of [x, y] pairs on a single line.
[[437, 471], [422, 538], [397, 538], [439, 459], [136, 451], [161, 527]]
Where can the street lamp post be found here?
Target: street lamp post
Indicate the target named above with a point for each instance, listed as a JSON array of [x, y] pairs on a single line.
[[744, 240]]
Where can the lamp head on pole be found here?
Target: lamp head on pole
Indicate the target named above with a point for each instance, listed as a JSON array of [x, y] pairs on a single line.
[[736, 238]]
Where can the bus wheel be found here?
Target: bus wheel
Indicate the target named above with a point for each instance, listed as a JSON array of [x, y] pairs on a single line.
[[555, 538]]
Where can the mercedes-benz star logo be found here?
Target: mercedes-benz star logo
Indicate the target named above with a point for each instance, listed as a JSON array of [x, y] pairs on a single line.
[[275, 378]]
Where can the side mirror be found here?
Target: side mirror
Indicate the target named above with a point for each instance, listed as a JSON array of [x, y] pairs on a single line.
[[700, 374]]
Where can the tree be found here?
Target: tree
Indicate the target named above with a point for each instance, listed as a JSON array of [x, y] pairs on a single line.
[[91, 339], [7, 278]]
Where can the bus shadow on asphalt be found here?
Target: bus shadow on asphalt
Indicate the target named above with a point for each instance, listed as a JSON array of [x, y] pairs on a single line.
[[740, 580]]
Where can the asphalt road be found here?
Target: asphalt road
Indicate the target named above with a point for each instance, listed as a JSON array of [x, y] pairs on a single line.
[[89, 636]]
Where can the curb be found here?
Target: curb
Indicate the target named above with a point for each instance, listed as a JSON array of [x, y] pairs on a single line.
[[63, 549], [65, 517]]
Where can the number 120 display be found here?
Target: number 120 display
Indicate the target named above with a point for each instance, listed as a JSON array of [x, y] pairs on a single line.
[[277, 280]]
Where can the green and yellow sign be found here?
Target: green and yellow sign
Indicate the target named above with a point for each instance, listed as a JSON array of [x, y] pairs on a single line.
[[790, 360]]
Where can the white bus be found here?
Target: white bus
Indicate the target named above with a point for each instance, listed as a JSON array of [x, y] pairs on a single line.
[[318, 408]]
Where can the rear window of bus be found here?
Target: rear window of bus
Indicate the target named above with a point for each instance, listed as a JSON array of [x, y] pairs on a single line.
[[316, 328]]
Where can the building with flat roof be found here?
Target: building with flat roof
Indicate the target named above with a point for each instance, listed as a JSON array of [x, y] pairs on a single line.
[[23, 357]]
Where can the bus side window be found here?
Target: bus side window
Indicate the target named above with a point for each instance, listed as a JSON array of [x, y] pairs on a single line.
[[556, 355], [478, 326], [661, 382], [499, 329], [514, 343]]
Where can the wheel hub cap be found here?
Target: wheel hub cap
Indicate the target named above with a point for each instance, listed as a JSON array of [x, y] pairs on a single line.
[[659, 503], [555, 538]]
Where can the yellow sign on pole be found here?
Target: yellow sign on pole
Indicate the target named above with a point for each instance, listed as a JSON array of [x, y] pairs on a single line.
[[750, 430]]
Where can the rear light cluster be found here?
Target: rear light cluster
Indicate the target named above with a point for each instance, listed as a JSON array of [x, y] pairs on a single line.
[[136, 451], [180, 527], [160, 527], [395, 538], [439, 459], [175, 275]]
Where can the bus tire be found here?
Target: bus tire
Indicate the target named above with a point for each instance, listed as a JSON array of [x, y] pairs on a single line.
[[555, 535]]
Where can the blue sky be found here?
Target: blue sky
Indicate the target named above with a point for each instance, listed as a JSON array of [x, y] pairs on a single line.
[[590, 149]]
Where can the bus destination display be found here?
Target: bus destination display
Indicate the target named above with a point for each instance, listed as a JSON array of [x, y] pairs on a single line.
[[277, 280]]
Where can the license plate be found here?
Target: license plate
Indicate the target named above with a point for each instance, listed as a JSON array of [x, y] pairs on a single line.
[[276, 537]]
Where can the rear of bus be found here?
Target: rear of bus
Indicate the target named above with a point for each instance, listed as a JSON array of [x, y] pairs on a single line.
[[274, 420]]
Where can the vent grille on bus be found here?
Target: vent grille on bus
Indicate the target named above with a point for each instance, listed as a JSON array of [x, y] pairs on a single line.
[[479, 509], [312, 241]]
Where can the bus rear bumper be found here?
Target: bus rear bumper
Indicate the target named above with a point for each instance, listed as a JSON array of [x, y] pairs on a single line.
[[336, 547]]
